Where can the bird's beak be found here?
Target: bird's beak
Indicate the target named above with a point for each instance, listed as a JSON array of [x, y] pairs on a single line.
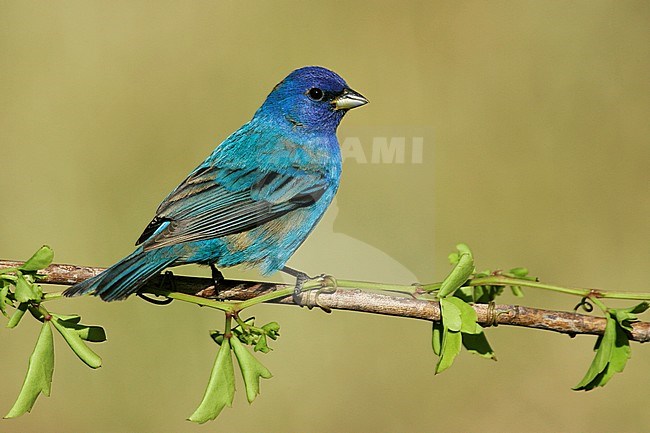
[[349, 99]]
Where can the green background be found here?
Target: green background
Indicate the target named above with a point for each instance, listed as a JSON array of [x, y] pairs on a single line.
[[534, 116]]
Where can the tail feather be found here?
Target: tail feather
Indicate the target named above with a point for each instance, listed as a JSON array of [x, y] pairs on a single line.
[[123, 278]]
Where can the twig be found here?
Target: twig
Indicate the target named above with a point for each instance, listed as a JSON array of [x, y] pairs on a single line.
[[361, 300]]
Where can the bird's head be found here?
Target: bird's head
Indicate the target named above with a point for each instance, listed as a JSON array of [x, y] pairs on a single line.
[[313, 99]]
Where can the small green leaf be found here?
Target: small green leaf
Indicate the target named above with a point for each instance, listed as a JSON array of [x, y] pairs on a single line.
[[72, 318], [436, 337], [519, 272], [625, 316], [486, 294], [72, 337], [40, 260], [458, 320], [243, 335], [4, 301], [18, 314], [624, 319], [621, 352], [467, 315], [450, 315], [217, 336], [478, 344], [94, 334], [261, 345], [272, 330], [480, 293], [459, 274], [39, 374], [605, 344], [27, 291], [466, 293], [451, 344], [639, 308], [251, 369], [516, 290], [7, 270], [221, 387]]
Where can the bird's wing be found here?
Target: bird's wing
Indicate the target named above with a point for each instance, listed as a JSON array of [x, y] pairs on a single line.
[[214, 202]]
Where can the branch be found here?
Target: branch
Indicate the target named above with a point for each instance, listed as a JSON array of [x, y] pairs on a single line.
[[358, 300]]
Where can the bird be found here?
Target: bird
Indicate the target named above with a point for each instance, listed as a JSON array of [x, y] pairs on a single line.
[[256, 197]]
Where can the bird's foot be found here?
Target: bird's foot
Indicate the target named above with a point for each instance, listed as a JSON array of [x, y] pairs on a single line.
[[217, 276], [309, 298], [301, 279], [167, 279], [328, 285], [218, 279]]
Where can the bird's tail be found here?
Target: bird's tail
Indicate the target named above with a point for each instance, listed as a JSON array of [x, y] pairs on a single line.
[[123, 278]]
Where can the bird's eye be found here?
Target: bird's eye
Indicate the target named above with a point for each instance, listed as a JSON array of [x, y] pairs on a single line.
[[315, 93]]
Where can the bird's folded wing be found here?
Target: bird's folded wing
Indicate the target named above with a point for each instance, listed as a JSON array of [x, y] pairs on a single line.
[[215, 202]]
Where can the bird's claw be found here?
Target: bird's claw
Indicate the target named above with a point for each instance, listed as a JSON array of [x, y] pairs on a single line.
[[301, 279], [309, 299], [168, 276], [217, 280], [217, 276]]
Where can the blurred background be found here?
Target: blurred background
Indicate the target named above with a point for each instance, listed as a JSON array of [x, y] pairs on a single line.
[[524, 127]]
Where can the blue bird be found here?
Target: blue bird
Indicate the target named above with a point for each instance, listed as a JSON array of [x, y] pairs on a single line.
[[255, 199]]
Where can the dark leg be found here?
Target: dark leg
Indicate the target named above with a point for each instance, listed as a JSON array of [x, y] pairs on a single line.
[[218, 280], [217, 276], [301, 279]]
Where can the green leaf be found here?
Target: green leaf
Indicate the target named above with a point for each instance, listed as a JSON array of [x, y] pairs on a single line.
[[639, 308], [436, 337], [519, 272], [272, 330], [18, 314], [261, 345], [459, 274], [72, 318], [27, 291], [40, 260], [516, 290], [486, 294], [625, 316], [466, 293], [4, 301], [467, 315], [621, 352], [612, 352], [251, 369], [221, 387], [478, 345], [451, 344], [39, 374], [94, 334], [450, 315], [243, 335], [458, 320], [7, 270], [72, 337], [217, 336]]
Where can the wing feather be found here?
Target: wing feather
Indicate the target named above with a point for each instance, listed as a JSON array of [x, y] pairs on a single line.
[[215, 202]]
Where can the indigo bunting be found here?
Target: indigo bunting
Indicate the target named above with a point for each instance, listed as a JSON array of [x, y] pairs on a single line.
[[255, 199]]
